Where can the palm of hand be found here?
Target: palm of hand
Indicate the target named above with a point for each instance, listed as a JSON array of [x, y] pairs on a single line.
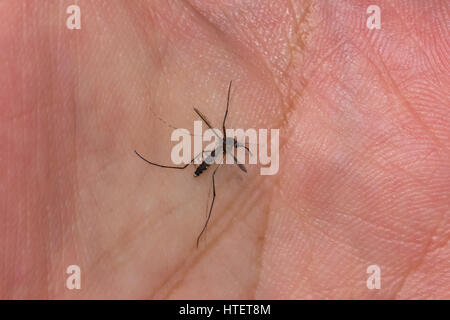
[[364, 174]]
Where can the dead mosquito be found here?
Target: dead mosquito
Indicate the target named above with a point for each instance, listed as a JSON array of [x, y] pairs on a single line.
[[225, 145]]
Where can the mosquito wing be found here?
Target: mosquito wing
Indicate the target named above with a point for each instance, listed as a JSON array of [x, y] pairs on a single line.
[[203, 117], [240, 165]]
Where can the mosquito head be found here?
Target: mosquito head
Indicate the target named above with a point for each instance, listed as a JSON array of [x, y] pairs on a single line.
[[229, 144]]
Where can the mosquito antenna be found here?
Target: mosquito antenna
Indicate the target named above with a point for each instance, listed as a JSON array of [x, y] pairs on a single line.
[[210, 208], [160, 165], [226, 112], [162, 119], [166, 122]]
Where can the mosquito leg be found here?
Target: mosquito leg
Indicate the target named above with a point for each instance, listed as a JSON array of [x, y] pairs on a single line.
[[170, 167], [210, 208], [226, 112]]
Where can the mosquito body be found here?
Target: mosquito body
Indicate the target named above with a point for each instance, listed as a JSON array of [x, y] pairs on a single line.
[[225, 145], [206, 163]]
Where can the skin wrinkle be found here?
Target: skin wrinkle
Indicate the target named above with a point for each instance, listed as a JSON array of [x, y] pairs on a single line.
[[220, 33], [156, 55], [365, 158], [197, 258], [296, 29], [289, 107], [178, 283], [194, 262], [405, 103], [74, 229], [26, 209], [402, 99], [63, 230], [361, 217], [377, 226], [425, 249], [422, 257], [322, 232], [411, 34], [396, 91], [365, 152], [294, 47], [120, 238], [258, 57], [443, 245], [254, 290]]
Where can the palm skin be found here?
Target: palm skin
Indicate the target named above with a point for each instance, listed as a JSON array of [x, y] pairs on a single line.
[[364, 174]]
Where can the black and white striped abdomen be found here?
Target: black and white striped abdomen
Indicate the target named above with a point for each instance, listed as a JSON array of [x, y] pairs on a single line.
[[202, 167], [205, 164]]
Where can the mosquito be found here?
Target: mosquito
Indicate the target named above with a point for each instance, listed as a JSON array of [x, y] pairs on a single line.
[[225, 145]]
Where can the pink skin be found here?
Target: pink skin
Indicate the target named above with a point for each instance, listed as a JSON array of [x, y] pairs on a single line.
[[364, 158]]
